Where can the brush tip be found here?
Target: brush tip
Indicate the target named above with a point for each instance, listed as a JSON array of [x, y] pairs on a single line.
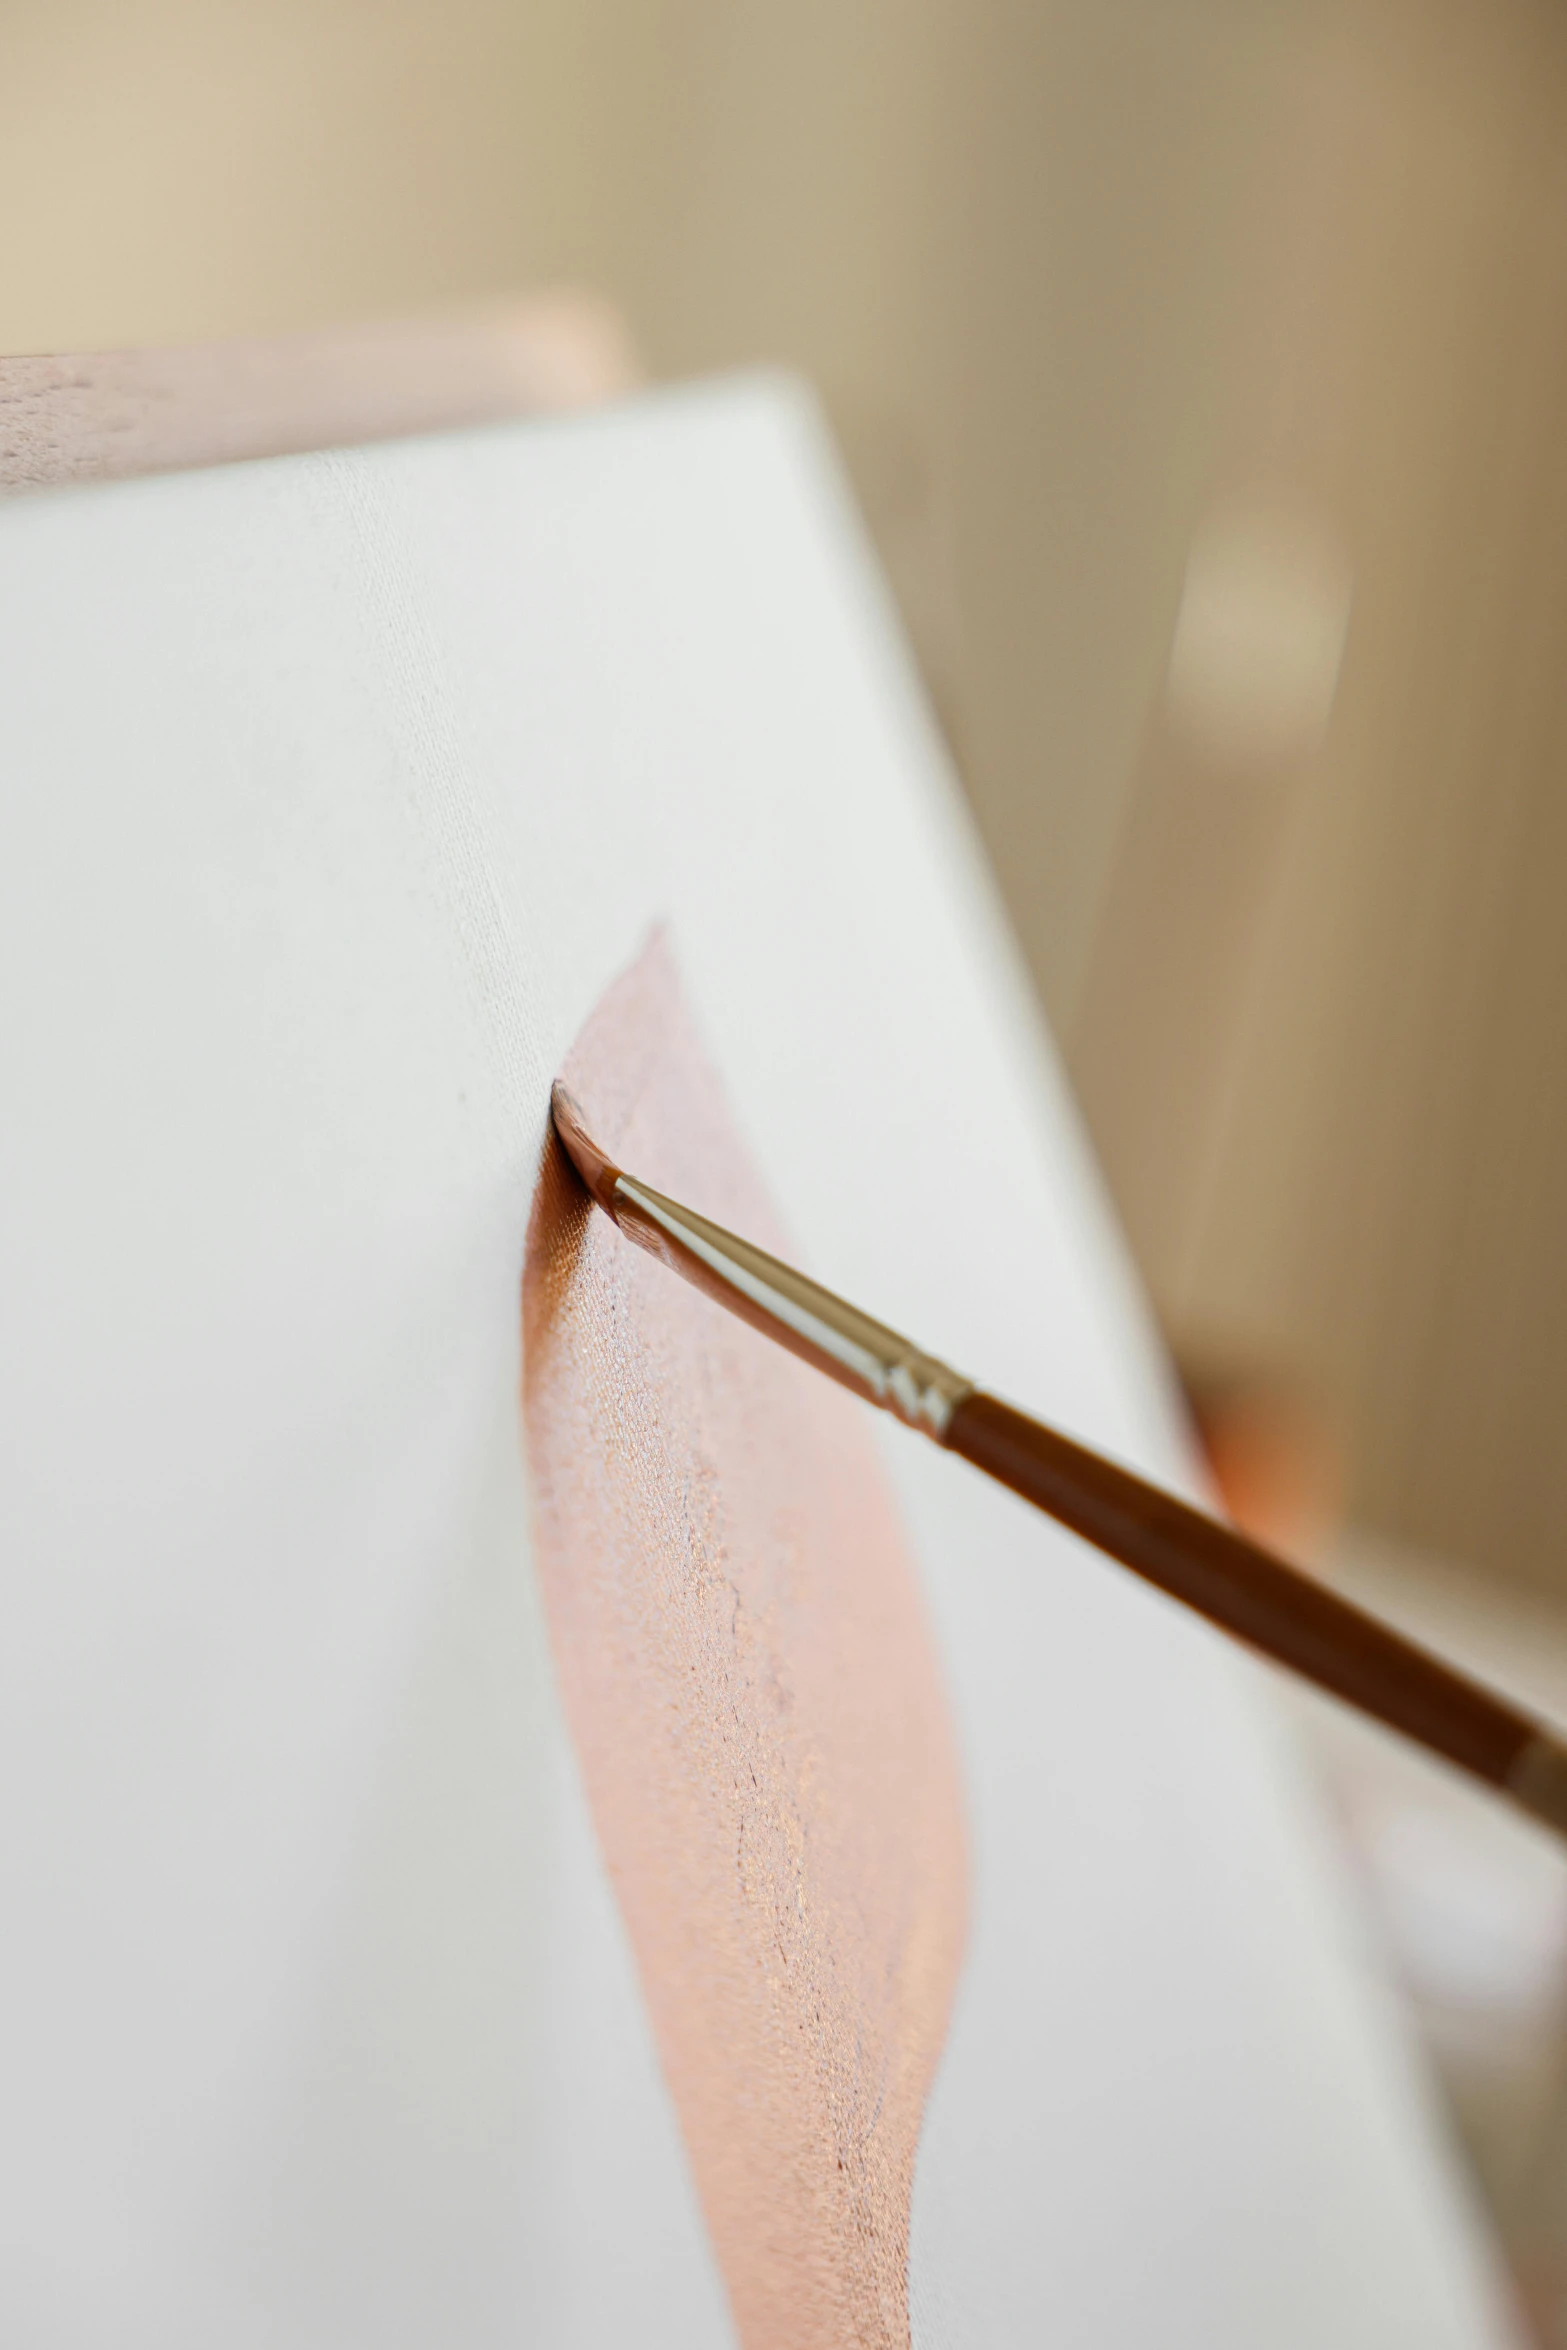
[[597, 1171]]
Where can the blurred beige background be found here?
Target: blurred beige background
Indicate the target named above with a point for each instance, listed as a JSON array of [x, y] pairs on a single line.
[[1202, 368]]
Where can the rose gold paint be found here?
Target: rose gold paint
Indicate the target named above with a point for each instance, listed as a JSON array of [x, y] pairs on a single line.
[[754, 1695]]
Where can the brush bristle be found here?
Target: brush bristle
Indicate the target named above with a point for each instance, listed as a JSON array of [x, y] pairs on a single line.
[[598, 1172]]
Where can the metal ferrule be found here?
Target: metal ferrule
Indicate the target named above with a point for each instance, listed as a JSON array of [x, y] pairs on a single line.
[[864, 1355]]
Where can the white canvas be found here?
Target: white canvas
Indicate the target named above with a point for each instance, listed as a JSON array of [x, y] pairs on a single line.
[[335, 791]]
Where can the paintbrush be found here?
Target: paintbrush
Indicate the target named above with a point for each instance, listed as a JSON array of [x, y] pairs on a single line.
[[1227, 1578]]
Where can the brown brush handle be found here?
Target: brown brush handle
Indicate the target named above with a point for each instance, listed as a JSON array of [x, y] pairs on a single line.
[[1191, 1556], [1255, 1595]]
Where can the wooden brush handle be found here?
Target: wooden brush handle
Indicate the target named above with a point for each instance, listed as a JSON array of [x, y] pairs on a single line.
[[1189, 1555], [1245, 1589]]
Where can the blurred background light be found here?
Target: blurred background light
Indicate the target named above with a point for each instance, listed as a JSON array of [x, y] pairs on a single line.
[[1259, 636]]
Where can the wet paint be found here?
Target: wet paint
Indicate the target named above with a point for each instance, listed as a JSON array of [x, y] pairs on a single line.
[[755, 1699]]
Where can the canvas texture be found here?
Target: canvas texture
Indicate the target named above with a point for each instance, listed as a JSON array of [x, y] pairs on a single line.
[[338, 791]]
